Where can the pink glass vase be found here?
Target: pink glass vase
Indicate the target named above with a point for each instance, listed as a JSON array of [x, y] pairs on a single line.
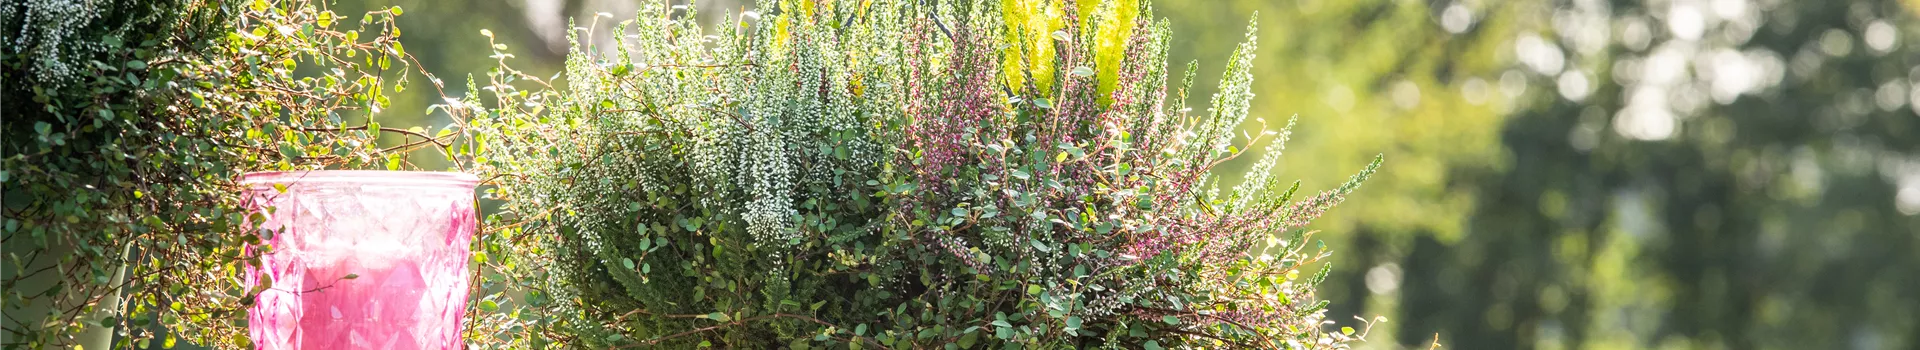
[[361, 259]]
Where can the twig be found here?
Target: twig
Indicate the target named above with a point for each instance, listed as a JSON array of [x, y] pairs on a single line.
[[436, 141]]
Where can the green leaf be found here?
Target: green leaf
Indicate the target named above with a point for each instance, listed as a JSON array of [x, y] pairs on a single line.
[[397, 11], [1041, 246], [1151, 345], [1169, 319], [717, 317], [325, 19], [1346, 330], [350, 276], [489, 306], [860, 330], [626, 262], [968, 340]]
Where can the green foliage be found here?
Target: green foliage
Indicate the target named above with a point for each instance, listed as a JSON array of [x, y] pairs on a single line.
[[127, 122], [1382, 77], [854, 173], [1750, 199], [1519, 217]]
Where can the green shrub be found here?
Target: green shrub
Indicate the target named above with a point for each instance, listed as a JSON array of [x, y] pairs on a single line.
[[126, 123], [893, 174]]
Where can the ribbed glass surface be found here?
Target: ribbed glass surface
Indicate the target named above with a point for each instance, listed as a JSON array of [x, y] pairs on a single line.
[[361, 259]]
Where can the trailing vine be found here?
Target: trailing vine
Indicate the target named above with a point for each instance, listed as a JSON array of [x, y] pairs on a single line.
[[126, 124]]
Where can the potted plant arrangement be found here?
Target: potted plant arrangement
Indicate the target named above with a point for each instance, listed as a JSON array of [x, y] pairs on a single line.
[[831, 173]]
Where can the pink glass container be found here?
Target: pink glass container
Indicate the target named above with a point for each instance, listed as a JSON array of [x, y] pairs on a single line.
[[361, 259]]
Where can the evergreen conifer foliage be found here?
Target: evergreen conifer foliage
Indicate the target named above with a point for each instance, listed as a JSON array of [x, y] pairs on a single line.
[[866, 174]]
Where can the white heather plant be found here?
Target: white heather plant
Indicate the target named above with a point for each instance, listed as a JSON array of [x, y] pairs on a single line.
[[892, 174]]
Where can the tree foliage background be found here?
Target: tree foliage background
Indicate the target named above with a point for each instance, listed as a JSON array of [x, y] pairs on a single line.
[[1568, 174], [1615, 174]]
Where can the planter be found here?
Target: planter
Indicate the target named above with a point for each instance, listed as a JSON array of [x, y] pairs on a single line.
[[361, 259]]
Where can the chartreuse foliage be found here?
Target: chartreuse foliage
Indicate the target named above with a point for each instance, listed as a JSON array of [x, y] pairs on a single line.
[[894, 174], [125, 125]]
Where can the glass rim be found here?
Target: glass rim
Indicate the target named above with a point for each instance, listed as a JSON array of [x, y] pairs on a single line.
[[363, 177]]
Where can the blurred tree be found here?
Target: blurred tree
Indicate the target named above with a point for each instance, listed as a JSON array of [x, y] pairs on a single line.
[[1370, 77], [1699, 174], [1610, 174]]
